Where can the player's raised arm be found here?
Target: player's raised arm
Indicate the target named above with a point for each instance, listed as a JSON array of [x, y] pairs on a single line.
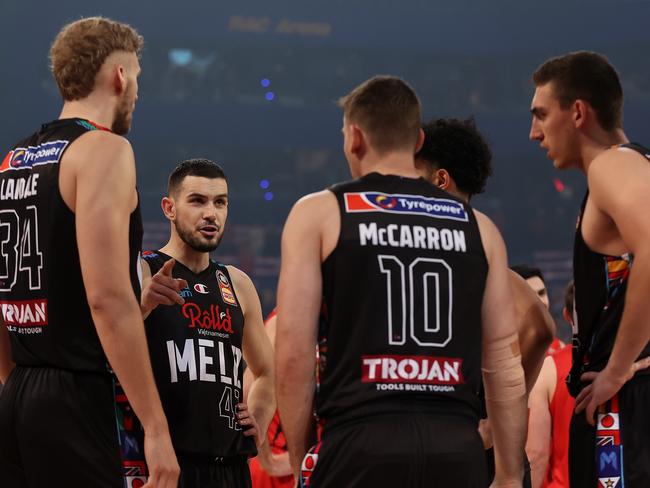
[[299, 303], [105, 197], [505, 391]]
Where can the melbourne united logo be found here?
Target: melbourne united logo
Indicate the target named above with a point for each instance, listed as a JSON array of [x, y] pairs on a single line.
[[437, 208]]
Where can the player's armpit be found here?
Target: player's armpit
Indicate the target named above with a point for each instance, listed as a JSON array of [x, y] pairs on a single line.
[[626, 209]]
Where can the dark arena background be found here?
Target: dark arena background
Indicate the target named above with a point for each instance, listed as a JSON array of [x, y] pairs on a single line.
[[252, 85]]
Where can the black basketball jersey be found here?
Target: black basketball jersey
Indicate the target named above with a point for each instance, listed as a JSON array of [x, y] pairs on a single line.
[[196, 354], [600, 283], [42, 296], [403, 289]]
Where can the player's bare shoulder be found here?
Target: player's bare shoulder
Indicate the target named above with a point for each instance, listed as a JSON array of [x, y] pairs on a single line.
[[314, 218], [103, 147], [617, 164], [490, 235], [100, 161], [244, 287], [315, 205]]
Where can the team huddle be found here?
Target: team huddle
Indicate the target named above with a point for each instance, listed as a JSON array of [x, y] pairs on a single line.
[[402, 352]]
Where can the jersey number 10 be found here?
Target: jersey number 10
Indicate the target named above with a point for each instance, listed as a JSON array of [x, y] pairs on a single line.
[[419, 300]]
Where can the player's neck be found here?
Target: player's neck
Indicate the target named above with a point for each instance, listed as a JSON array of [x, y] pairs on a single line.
[[396, 163], [593, 146], [195, 261], [89, 108]]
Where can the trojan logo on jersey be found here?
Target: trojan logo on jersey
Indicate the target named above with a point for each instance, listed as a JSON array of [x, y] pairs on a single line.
[[411, 369], [25, 313], [27, 157], [201, 288], [437, 208]]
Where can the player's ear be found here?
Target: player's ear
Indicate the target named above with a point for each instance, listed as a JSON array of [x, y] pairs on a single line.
[[119, 79], [420, 141], [567, 316], [442, 179], [168, 207], [358, 142], [579, 111]]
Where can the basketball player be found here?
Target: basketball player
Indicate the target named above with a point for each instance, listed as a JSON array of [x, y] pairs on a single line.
[[456, 158], [414, 285], [212, 320], [551, 408], [71, 232], [576, 118], [535, 280]]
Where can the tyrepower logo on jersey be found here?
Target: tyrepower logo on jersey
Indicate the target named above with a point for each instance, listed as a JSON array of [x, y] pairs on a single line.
[[438, 208], [417, 371], [212, 319], [24, 317], [28, 157]]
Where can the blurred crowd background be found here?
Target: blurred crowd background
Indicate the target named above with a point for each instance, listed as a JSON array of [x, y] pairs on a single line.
[[253, 84]]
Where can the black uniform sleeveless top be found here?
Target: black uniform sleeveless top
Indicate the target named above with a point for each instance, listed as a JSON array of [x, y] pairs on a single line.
[[196, 354], [600, 284], [402, 295], [42, 297]]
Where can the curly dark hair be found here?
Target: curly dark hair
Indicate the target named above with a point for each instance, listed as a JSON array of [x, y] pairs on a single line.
[[457, 146]]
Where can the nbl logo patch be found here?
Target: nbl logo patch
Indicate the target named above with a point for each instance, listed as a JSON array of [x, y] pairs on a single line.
[[437, 208], [226, 290]]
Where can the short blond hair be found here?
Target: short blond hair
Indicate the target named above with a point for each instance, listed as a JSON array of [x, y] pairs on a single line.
[[80, 49]]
